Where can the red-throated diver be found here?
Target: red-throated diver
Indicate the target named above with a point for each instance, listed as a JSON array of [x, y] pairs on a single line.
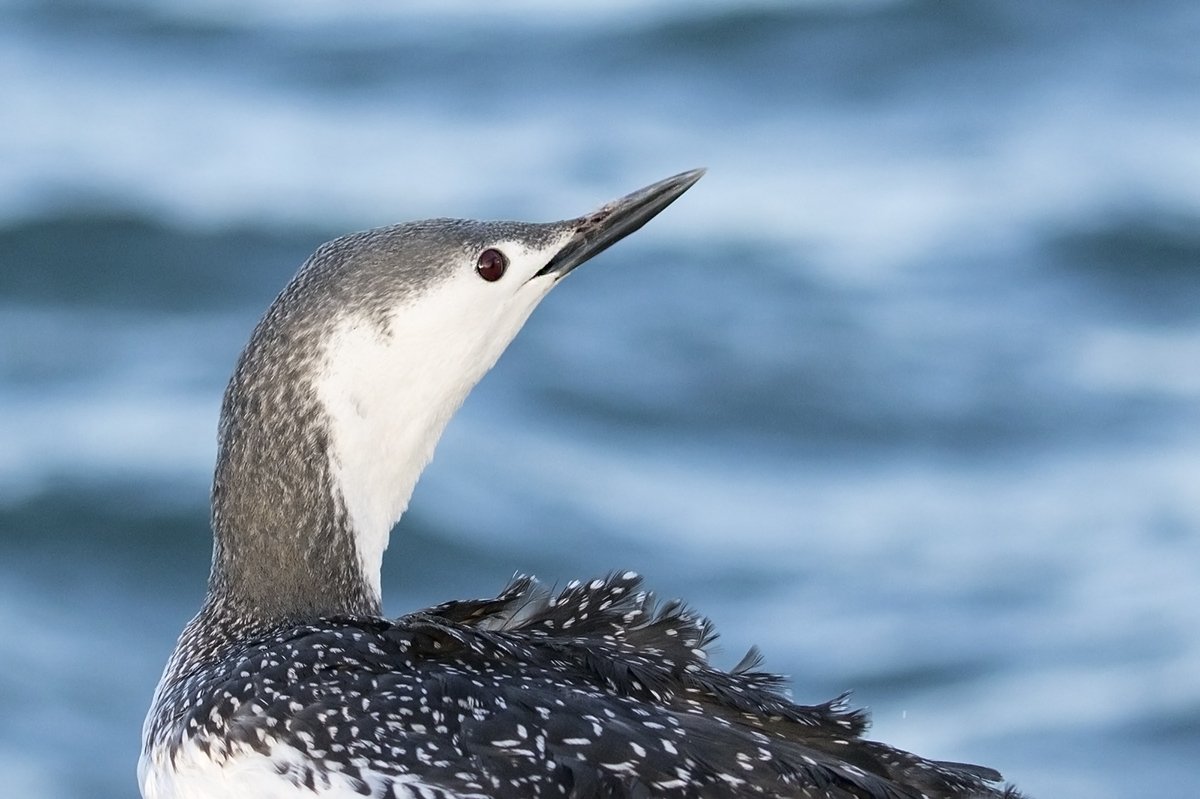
[[289, 683]]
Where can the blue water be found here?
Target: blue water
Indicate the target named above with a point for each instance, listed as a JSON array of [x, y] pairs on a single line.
[[906, 390]]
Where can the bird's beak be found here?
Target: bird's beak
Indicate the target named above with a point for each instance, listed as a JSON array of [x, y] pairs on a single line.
[[612, 222]]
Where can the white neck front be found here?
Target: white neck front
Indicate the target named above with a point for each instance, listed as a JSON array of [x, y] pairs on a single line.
[[389, 390]]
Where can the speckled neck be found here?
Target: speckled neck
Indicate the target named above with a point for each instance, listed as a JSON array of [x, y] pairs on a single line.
[[284, 549]]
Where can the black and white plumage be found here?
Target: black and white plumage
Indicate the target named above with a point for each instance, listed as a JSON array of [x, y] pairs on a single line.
[[289, 683]]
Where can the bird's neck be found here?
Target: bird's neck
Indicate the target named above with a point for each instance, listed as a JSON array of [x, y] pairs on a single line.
[[284, 545], [320, 449]]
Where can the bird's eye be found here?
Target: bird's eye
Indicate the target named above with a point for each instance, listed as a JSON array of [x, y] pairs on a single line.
[[491, 265]]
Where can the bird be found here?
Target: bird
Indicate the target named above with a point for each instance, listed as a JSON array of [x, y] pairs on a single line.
[[290, 682]]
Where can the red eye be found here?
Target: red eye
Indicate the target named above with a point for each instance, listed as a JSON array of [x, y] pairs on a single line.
[[491, 265]]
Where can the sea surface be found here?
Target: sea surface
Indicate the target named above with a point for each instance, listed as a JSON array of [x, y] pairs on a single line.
[[906, 391]]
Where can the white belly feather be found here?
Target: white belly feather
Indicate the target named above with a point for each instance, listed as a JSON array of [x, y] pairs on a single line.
[[193, 774]]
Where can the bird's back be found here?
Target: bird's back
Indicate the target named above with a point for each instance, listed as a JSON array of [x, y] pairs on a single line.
[[593, 691]]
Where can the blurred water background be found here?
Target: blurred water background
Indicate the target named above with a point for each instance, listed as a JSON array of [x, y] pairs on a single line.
[[906, 390]]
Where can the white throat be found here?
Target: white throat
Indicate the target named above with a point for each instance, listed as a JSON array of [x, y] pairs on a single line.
[[389, 390]]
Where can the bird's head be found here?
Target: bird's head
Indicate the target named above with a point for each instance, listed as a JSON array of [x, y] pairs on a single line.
[[351, 376]]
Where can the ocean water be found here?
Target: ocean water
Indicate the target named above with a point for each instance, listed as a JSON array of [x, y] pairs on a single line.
[[906, 391]]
